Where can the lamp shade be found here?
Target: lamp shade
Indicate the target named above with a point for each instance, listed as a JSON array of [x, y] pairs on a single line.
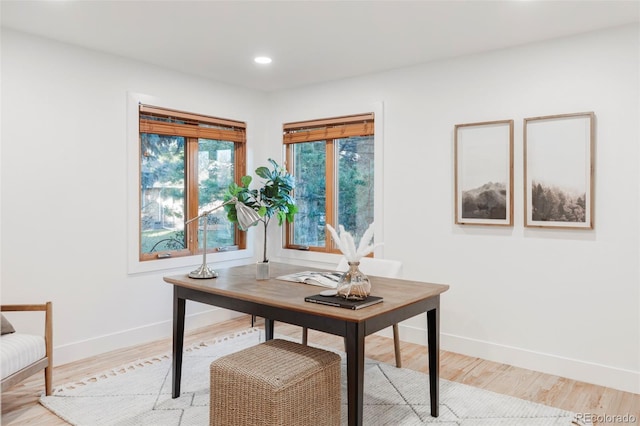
[[247, 217]]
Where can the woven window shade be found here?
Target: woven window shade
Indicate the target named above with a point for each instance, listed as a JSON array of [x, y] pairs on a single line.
[[330, 128], [180, 123]]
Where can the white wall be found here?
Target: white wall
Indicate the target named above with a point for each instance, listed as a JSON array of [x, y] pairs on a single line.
[[564, 302], [66, 190]]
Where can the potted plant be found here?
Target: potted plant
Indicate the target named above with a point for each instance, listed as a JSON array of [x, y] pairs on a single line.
[[273, 198]]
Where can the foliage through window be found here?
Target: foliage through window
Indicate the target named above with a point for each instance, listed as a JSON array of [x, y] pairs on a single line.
[[333, 164], [186, 163]]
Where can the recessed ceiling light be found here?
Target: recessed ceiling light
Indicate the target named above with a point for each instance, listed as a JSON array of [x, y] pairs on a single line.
[[262, 60]]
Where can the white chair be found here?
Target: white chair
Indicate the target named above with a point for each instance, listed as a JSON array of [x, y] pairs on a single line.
[[377, 267]]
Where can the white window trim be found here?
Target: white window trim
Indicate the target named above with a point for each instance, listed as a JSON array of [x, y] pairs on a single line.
[[134, 265]]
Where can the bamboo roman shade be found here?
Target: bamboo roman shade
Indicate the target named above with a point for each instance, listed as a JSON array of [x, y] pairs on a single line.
[[329, 128], [170, 122]]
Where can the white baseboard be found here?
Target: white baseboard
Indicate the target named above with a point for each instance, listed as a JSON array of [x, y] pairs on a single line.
[[75, 351], [584, 371]]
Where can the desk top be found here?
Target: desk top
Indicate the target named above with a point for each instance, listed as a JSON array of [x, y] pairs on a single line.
[[239, 282]]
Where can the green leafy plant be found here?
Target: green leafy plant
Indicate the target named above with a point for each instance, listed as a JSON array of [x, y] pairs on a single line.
[[273, 198]]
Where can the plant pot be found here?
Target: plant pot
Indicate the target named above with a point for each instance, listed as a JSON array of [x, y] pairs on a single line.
[[262, 271]]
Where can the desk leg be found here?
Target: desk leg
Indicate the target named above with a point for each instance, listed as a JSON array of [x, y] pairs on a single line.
[[178, 341], [355, 372], [433, 341], [268, 329]]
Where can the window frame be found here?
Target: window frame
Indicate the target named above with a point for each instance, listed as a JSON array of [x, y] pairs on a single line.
[[132, 184], [328, 130], [232, 131]]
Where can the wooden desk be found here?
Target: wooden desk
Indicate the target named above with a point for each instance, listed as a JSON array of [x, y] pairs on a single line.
[[237, 289]]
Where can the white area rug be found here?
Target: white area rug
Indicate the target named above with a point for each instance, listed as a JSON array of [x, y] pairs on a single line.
[[140, 394]]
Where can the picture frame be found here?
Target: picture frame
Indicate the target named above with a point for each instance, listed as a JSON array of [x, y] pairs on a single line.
[[559, 171], [483, 170]]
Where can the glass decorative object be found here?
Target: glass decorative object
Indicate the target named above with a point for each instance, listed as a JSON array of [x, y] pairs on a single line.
[[354, 285]]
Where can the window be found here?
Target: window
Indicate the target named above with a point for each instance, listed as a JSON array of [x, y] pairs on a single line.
[[187, 161], [333, 164]]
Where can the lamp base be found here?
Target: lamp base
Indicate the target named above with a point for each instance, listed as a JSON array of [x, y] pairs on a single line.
[[203, 273]]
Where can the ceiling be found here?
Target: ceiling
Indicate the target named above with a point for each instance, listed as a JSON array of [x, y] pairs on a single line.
[[310, 41]]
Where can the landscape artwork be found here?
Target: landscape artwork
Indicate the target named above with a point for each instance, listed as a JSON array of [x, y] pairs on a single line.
[[559, 171], [484, 173]]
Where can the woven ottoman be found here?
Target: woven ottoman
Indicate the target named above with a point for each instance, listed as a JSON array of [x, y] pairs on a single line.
[[276, 383]]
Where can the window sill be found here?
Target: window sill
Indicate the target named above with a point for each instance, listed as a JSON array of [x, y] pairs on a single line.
[[136, 266]]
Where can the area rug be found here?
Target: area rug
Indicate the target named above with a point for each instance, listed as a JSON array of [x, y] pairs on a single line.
[[140, 394]]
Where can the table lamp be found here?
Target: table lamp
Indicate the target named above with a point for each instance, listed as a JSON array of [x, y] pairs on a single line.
[[247, 217]]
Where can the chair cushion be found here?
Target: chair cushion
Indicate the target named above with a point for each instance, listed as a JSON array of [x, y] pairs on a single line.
[[18, 350], [6, 326]]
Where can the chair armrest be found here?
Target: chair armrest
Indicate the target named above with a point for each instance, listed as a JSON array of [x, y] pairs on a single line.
[[7, 308]]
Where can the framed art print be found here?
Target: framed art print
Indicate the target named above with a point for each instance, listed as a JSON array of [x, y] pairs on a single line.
[[558, 171], [484, 173]]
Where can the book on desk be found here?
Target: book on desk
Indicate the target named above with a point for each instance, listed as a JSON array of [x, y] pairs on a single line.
[[343, 303], [327, 279]]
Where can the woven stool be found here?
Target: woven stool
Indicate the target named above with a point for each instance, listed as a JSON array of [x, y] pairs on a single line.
[[276, 383]]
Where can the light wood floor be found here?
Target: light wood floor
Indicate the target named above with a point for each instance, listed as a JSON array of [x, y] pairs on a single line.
[[20, 404]]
